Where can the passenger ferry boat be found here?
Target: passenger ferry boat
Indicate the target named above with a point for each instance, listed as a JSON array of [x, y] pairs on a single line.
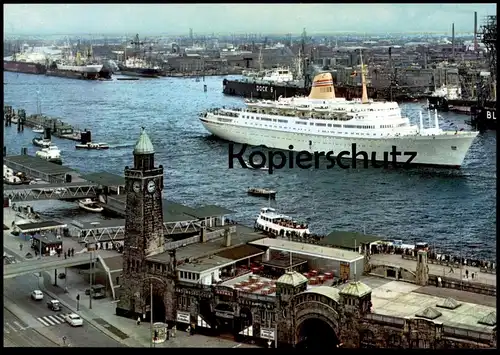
[[322, 122], [279, 224]]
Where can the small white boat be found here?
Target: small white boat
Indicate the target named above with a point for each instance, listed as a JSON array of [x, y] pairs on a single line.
[[90, 205], [51, 154], [247, 163], [41, 142], [12, 180], [38, 129], [90, 145]]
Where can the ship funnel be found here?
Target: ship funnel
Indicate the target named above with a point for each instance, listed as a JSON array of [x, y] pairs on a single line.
[[322, 87]]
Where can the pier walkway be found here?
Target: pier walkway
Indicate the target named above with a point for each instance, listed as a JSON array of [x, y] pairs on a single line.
[[436, 269], [44, 264]]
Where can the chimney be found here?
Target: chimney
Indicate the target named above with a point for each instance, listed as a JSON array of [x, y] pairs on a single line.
[[453, 40], [227, 237], [475, 31], [203, 235]]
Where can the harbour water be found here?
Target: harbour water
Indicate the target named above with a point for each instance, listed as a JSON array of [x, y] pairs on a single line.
[[447, 209]]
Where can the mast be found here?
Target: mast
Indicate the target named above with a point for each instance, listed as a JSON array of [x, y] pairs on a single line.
[[260, 59]]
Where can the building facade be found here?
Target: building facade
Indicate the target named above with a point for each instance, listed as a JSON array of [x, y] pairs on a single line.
[[294, 314]]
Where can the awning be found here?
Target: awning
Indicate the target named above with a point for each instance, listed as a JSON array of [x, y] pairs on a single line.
[[40, 226]]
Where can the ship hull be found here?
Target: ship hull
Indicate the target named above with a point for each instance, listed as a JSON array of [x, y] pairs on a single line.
[[24, 67], [257, 90], [485, 119], [140, 72], [431, 151], [74, 74]]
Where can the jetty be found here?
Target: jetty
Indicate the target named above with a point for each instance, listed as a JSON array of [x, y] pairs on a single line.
[[58, 128]]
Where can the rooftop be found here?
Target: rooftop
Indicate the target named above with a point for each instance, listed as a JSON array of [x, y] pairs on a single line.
[[37, 164], [212, 211], [39, 226], [144, 145], [48, 238], [105, 179], [99, 224], [240, 252], [400, 299], [350, 240], [205, 264], [292, 278], [308, 249], [198, 250]]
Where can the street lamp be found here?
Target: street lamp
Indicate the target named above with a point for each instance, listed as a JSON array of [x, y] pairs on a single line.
[[90, 249]]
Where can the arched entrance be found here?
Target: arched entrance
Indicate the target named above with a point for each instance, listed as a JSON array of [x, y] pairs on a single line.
[[224, 318], [159, 311], [244, 321], [316, 333]]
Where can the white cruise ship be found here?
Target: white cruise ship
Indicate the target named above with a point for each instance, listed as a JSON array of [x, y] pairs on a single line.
[[324, 123]]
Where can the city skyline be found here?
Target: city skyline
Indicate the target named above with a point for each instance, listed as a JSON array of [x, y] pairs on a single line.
[[175, 19]]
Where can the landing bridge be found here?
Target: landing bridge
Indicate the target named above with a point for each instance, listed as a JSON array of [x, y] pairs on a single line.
[[69, 191]]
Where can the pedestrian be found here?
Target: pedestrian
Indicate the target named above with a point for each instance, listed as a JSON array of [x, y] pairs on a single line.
[[466, 273], [174, 331], [472, 275], [451, 270], [69, 252], [138, 320], [20, 246], [72, 251], [65, 255]]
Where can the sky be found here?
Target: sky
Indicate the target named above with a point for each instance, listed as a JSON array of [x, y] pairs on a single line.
[[177, 19]]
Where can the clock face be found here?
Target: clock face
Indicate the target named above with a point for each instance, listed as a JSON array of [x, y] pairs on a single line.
[[151, 186], [136, 186]]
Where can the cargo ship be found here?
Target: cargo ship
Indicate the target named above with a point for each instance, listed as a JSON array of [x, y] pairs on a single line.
[[24, 67], [139, 68], [75, 69], [257, 89], [28, 63]]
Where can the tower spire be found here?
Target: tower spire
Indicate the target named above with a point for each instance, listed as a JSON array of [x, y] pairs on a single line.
[[364, 95]]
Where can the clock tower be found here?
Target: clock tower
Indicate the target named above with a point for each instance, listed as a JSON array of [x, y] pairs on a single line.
[[144, 235]]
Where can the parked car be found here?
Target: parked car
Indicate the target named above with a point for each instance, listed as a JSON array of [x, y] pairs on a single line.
[[54, 305], [37, 295], [74, 320]]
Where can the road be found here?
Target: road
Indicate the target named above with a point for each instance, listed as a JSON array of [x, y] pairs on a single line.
[[36, 313], [17, 333]]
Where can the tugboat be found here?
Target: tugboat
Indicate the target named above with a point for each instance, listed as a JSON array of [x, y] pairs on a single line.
[[41, 142], [51, 154], [90, 145], [271, 194], [38, 129], [90, 205]]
